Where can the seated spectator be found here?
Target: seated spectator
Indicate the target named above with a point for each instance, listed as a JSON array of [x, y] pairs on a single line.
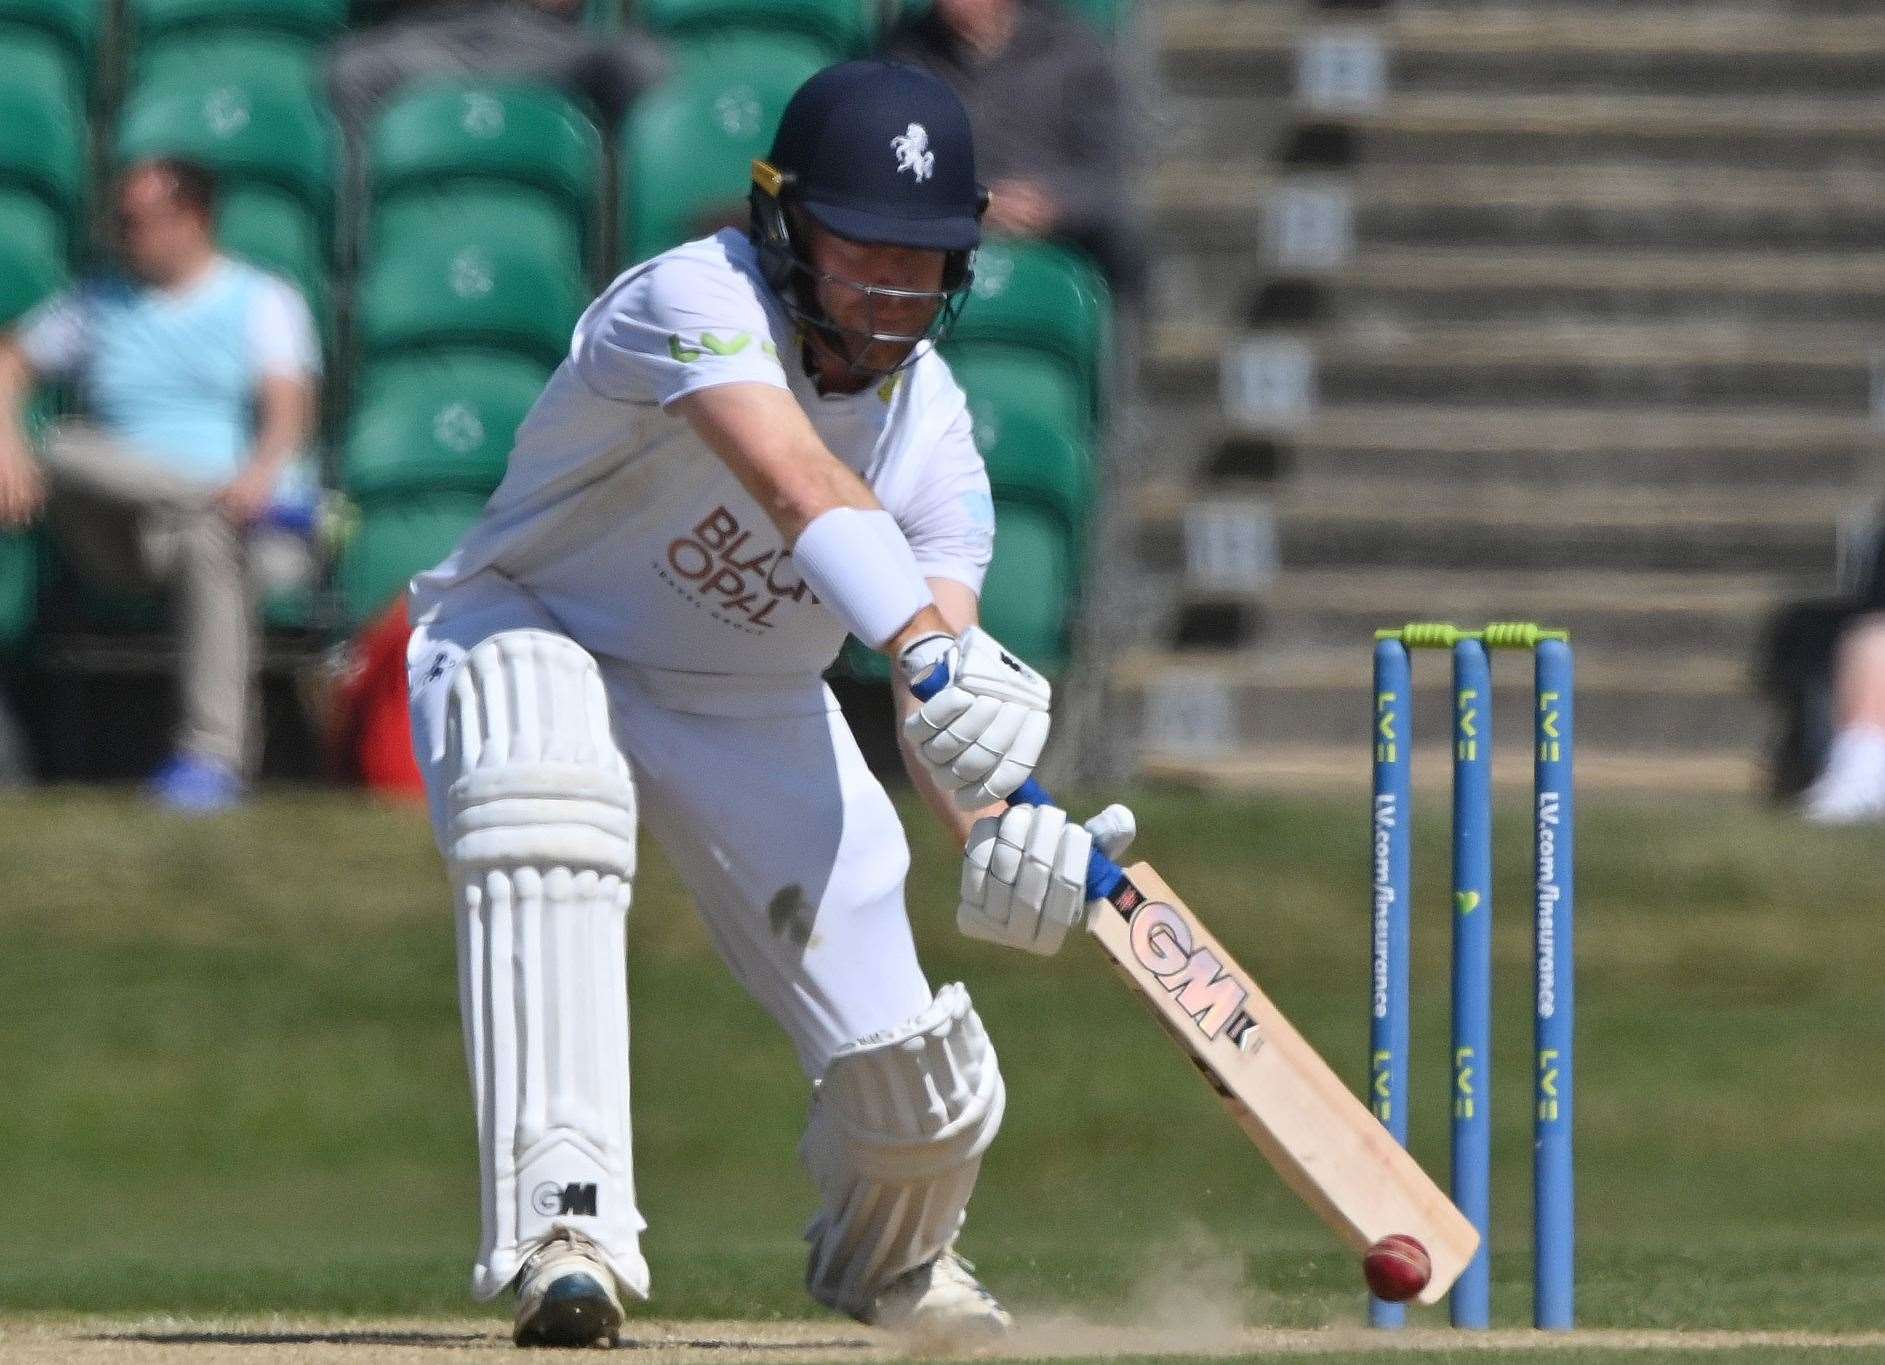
[[437, 39], [1823, 663], [196, 374], [1047, 104], [1851, 788]]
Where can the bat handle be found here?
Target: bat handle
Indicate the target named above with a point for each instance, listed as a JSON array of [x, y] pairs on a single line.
[[1103, 875]]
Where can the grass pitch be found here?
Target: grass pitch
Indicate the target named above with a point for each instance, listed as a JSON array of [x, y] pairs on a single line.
[[234, 1087]]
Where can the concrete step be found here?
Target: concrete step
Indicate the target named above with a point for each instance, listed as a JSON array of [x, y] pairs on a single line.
[[1765, 11], [1545, 286], [1669, 444], [1693, 363], [1334, 768], [1563, 50], [1656, 615], [1579, 206], [1813, 128], [1390, 524], [1411, 288], [1295, 697]]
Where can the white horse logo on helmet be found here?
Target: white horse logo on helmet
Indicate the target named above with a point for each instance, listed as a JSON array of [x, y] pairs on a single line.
[[913, 154]]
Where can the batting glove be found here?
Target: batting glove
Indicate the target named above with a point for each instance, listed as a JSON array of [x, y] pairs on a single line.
[[981, 736], [1024, 873]]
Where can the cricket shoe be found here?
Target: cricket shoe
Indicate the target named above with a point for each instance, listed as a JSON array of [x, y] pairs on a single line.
[[566, 1295], [941, 1304]]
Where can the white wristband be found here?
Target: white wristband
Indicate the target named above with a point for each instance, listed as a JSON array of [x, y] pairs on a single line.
[[861, 567]]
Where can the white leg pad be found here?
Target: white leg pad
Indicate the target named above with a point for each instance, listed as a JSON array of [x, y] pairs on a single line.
[[541, 849], [899, 1124]]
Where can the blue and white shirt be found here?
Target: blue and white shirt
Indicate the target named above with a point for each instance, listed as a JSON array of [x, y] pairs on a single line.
[[174, 374]]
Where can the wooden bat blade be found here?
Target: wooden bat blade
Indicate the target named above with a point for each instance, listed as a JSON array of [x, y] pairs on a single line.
[[1320, 1138]]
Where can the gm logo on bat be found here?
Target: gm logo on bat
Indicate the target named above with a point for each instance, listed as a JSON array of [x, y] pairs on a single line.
[[1211, 997]]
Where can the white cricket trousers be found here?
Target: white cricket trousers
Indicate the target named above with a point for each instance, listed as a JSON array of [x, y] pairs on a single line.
[[789, 846]]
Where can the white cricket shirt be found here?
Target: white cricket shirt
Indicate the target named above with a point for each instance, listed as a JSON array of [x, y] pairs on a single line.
[[638, 539]]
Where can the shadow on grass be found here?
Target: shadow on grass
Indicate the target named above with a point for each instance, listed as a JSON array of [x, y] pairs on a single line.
[[386, 1337], [197, 1336]]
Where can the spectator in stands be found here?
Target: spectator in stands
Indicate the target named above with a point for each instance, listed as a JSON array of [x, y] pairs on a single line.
[[1048, 104], [541, 39], [197, 376], [1851, 788], [1823, 663]]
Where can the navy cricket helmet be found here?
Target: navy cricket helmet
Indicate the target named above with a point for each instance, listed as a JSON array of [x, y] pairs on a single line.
[[876, 152]]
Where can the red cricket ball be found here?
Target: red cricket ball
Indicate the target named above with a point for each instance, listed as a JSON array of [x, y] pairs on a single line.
[[1397, 1268]]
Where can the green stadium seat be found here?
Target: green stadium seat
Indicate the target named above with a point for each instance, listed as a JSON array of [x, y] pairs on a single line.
[[430, 436], [478, 213], [26, 277], [284, 62], [1029, 596], [840, 28], [269, 229], [315, 21], [19, 586], [1034, 462], [688, 147], [1108, 16], [481, 132], [382, 381], [31, 228], [1039, 297], [1001, 379], [1032, 588], [1042, 480], [73, 24], [42, 149], [248, 133], [394, 539], [22, 552], [37, 61], [496, 293]]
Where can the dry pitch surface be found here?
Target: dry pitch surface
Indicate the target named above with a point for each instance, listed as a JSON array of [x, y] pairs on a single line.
[[302, 1341]]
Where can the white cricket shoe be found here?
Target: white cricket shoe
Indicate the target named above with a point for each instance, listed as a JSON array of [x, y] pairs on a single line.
[[566, 1295], [1852, 788], [941, 1303]]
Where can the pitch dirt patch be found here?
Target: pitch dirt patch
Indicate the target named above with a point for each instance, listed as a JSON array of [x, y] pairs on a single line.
[[307, 1341]]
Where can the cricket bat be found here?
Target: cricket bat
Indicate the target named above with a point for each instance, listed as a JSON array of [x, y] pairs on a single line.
[[1321, 1139]]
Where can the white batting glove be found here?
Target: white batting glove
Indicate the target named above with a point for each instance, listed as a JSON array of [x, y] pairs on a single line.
[[981, 736], [1024, 873]]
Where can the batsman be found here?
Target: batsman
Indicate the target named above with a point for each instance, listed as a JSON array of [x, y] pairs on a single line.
[[751, 450]]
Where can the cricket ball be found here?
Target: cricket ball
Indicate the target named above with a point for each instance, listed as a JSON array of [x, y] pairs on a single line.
[[1397, 1268]]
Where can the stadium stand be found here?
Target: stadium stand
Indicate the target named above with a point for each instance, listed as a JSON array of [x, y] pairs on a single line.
[[838, 28], [445, 291], [485, 153], [474, 290], [1037, 308], [1043, 483], [42, 168], [1589, 339], [687, 148], [71, 28], [27, 275], [421, 456]]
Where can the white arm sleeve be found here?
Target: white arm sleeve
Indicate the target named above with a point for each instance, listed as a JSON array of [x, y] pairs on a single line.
[[52, 335], [281, 332], [675, 328], [949, 518]]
